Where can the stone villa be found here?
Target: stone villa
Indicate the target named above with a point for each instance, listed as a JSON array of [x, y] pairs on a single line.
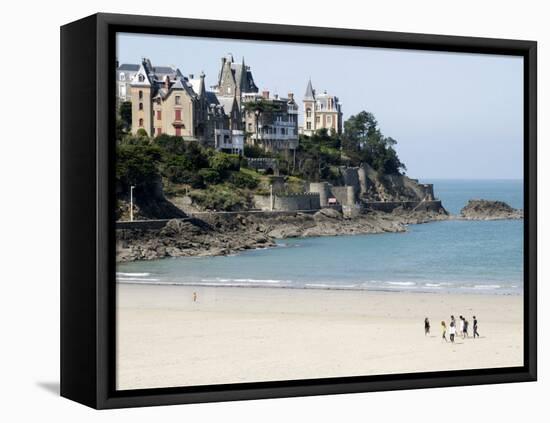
[[165, 101], [321, 111], [276, 130]]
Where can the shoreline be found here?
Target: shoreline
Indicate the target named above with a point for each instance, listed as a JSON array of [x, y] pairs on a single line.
[[222, 235], [165, 338], [230, 233], [480, 291]]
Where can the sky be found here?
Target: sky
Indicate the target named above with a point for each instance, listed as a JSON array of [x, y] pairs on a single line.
[[454, 115]]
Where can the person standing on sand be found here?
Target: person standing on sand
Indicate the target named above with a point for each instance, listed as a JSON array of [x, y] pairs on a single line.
[[461, 325], [426, 326], [194, 297], [465, 332], [443, 331], [452, 331], [475, 328]]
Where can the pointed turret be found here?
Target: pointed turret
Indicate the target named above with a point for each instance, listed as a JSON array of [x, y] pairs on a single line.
[[310, 93]]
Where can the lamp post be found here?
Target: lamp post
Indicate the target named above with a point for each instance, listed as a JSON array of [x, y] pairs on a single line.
[[132, 203]]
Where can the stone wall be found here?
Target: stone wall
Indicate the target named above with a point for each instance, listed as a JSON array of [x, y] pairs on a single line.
[[288, 202], [304, 201], [323, 189], [351, 178], [345, 196]]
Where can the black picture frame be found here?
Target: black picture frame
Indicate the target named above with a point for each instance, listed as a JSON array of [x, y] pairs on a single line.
[[88, 224]]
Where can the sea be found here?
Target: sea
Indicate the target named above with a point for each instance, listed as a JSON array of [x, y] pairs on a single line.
[[451, 256]]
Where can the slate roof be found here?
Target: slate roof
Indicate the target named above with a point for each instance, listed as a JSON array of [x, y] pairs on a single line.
[[310, 93], [227, 103], [128, 67], [211, 98]]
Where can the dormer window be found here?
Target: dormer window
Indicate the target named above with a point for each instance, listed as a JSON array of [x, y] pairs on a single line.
[[178, 100], [122, 77], [141, 78]]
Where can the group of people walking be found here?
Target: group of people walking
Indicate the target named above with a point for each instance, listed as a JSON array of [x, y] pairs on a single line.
[[455, 328]]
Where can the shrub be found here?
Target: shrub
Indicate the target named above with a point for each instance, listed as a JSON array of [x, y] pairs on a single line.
[[243, 180], [171, 144], [181, 175], [254, 151], [223, 162], [137, 165], [142, 133], [210, 176], [219, 197]]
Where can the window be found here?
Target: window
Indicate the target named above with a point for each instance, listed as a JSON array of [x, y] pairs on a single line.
[[122, 76], [178, 100], [178, 114], [159, 115], [308, 112], [141, 122], [317, 119], [159, 131], [178, 132], [329, 120], [249, 127], [122, 91], [140, 95], [140, 106], [282, 131], [141, 78], [308, 125]]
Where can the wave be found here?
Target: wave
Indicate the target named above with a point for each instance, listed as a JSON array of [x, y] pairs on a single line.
[[370, 285], [487, 286], [248, 280], [137, 279], [132, 274]]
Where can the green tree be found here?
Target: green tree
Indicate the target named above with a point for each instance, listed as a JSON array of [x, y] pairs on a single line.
[[223, 162], [364, 142], [138, 165], [125, 114], [171, 144]]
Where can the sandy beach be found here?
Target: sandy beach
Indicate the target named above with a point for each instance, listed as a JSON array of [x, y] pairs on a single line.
[[232, 335]]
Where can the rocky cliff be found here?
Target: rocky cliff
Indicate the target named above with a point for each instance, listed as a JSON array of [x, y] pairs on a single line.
[[489, 210]]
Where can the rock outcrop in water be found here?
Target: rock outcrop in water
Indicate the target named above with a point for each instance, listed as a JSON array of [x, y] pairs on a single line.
[[489, 210], [223, 234]]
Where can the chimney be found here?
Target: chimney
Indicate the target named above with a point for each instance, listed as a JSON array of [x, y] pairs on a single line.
[[265, 95], [167, 82], [276, 96], [291, 96], [191, 76]]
